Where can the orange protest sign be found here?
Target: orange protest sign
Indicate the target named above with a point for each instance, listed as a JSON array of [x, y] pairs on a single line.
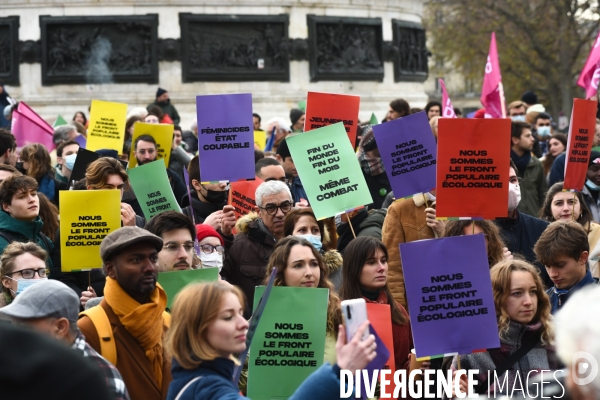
[[241, 197], [324, 109], [472, 168], [579, 147], [380, 318]]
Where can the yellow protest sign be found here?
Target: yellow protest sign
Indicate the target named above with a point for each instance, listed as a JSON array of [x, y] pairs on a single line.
[[162, 134], [107, 126], [86, 217], [260, 139]]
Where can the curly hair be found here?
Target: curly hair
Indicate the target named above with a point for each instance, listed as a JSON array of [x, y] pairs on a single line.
[[279, 260], [495, 244], [501, 288]]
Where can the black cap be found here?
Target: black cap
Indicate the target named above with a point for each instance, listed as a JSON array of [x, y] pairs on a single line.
[[529, 97]]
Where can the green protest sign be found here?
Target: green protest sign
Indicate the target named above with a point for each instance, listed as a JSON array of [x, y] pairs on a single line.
[[173, 281], [152, 188], [288, 346], [373, 120], [329, 170], [59, 121]]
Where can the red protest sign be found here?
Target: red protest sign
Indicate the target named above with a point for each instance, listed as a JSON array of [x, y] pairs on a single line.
[[579, 147], [241, 197], [324, 109], [472, 168], [380, 318]]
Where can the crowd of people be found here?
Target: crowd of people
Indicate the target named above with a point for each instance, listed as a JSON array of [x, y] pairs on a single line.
[[127, 344]]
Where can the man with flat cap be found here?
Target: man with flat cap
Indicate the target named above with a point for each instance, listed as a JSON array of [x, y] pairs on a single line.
[[52, 309], [130, 323]]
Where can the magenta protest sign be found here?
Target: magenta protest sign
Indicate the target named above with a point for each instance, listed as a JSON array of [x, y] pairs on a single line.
[[449, 292], [225, 137], [408, 151]]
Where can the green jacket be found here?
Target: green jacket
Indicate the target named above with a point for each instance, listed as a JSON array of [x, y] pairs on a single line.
[[168, 109], [533, 188], [25, 232]]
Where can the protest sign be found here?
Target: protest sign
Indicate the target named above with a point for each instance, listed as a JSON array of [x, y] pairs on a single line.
[[323, 109], [447, 108], [579, 147], [84, 158], [373, 120], [225, 137], [588, 79], [472, 168], [59, 121], [408, 151], [329, 169], [81, 140], [288, 346], [449, 289], [173, 281], [242, 197], [106, 129], [28, 128], [492, 92], [380, 318], [152, 188], [86, 217], [162, 134], [260, 139]]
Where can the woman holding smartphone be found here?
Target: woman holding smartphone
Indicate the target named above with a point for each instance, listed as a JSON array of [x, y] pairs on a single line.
[[299, 264], [364, 275]]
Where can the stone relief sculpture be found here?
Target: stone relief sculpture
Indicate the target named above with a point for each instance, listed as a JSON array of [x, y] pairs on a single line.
[[9, 58], [242, 48], [409, 52], [99, 49]]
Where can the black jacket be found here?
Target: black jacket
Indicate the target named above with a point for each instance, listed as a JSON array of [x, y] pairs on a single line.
[[520, 234], [379, 186], [191, 141], [201, 209]]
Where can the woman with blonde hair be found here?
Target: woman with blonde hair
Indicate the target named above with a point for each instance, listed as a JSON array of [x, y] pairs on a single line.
[[525, 328], [20, 261], [208, 328], [299, 264]]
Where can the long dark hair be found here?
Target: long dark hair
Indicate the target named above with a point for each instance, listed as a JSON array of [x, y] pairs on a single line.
[[357, 253], [495, 244], [585, 217]]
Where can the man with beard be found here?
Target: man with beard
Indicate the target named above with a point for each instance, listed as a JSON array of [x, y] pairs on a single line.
[[145, 151], [177, 232], [164, 102], [132, 312]]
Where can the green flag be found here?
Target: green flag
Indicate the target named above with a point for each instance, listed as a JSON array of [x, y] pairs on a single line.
[[329, 170], [373, 120], [173, 281], [288, 346], [152, 188], [302, 105], [59, 121]]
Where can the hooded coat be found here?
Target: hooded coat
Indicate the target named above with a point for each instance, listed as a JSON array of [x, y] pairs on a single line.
[[23, 231], [246, 262]]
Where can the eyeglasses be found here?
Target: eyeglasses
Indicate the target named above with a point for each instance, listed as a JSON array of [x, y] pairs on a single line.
[[271, 209], [30, 273], [174, 247], [515, 180], [209, 248]]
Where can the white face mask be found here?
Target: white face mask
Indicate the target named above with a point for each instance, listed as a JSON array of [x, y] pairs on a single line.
[[211, 260], [514, 196]]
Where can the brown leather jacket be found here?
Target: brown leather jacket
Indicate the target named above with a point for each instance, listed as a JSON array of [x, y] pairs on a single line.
[[132, 363], [404, 222]]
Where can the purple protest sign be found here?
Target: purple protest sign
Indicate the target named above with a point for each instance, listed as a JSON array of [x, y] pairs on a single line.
[[408, 151], [81, 140], [449, 291], [225, 137]]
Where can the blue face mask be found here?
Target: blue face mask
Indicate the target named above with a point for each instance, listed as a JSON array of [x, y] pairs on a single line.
[[591, 185], [70, 161], [517, 118], [23, 284], [313, 239], [543, 131]]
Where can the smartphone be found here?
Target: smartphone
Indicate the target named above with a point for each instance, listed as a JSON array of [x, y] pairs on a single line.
[[354, 313]]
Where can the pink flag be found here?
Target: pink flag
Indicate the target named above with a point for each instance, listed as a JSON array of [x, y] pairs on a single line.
[[447, 109], [32, 115], [590, 74], [28, 129], [492, 94]]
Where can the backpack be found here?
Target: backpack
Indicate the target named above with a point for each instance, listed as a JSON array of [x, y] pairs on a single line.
[[10, 238], [108, 348]]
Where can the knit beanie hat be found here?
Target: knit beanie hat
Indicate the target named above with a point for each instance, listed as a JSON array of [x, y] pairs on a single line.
[[204, 231], [529, 97], [160, 92], [295, 115]]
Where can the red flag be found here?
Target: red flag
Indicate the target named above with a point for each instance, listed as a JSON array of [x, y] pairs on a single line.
[[28, 127], [492, 94], [447, 108], [579, 147], [590, 74]]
